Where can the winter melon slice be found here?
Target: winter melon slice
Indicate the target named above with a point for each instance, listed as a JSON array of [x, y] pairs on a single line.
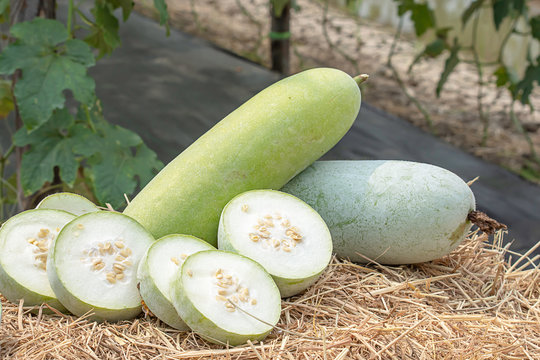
[[70, 202]]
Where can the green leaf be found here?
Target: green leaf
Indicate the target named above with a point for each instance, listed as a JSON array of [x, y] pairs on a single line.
[[6, 99], [279, 6], [4, 11], [435, 48], [501, 9], [104, 32], [422, 16], [535, 27], [473, 7], [525, 87], [117, 157], [449, 66], [51, 145], [50, 64], [126, 5], [161, 7]]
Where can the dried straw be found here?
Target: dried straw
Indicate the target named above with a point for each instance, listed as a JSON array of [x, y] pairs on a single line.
[[475, 303]]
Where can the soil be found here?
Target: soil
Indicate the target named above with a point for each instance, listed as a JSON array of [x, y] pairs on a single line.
[[361, 46]]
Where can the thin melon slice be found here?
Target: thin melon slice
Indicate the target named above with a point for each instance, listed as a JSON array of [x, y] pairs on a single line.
[[24, 246], [72, 203], [92, 265], [282, 233], [224, 296], [160, 263]]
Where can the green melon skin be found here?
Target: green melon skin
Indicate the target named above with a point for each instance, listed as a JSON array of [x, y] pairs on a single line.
[[156, 299], [70, 202], [261, 145], [10, 287], [393, 212]]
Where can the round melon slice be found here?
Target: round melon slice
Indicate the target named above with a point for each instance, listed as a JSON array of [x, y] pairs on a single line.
[[279, 231], [160, 263], [24, 247], [226, 297], [92, 265], [72, 203]]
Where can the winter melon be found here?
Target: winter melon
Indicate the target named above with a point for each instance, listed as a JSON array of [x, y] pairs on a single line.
[[261, 145]]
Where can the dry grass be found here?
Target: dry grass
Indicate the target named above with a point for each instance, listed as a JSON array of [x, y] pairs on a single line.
[[471, 304]]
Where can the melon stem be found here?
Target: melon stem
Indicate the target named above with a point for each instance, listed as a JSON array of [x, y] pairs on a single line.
[[361, 78]]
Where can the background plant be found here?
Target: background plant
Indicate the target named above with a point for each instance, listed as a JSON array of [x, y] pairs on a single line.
[[61, 139]]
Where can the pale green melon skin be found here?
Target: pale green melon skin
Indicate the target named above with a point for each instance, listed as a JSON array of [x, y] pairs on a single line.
[[199, 323], [154, 299], [261, 145], [12, 290], [70, 202], [393, 212], [77, 306]]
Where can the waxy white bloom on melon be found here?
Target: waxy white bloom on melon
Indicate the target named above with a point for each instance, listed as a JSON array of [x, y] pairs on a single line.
[[393, 212], [24, 247], [72, 203], [158, 266], [223, 297], [92, 265], [279, 231]]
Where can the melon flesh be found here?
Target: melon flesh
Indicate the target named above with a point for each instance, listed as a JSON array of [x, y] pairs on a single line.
[[24, 243], [72, 203], [160, 263], [392, 212], [282, 233], [216, 292], [92, 265], [261, 145]]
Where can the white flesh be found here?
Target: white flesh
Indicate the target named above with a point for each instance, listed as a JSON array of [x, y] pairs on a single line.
[[80, 284], [197, 289], [24, 243], [72, 203], [161, 262], [280, 254]]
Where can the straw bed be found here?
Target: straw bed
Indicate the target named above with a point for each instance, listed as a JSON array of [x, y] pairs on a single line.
[[472, 304]]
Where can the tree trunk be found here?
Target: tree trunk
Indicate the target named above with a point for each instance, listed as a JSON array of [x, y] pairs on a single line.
[[279, 39]]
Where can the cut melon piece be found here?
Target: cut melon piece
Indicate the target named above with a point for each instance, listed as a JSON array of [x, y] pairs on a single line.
[[92, 265], [223, 297], [72, 203], [24, 246], [282, 233], [160, 263]]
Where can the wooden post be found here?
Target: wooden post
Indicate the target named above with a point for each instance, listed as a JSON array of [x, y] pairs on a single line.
[[279, 39]]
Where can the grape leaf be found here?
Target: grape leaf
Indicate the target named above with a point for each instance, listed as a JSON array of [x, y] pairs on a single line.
[[449, 65], [116, 158], [422, 16], [161, 7], [126, 5], [51, 145], [104, 31], [50, 64], [473, 7], [525, 87]]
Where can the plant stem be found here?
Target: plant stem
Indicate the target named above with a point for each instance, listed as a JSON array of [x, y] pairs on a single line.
[[70, 18], [522, 130], [480, 93], [401, 83]]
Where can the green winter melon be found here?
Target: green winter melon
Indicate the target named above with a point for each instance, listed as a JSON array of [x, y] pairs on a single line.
[[261, 145], [393, 212]]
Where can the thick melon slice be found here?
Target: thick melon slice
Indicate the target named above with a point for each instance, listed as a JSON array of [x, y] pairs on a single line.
[[282, 233], [160, 263], [216, 292], [261, 145], [72, 203], [24, 247], [92, 265], [393, 212]]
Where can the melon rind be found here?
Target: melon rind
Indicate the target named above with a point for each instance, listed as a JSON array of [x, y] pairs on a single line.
[[392, 212], [123, 224], [70, 202], [291, 283], [156, 299], [9, 285], [206, 327]]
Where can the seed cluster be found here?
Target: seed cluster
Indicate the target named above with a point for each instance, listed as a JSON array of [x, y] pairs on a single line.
[[229, 290], [42, 241], [177, 262], [99, 257], [276, 232]]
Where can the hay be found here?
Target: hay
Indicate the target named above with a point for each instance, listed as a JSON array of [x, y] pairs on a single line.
[[471, 304]]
